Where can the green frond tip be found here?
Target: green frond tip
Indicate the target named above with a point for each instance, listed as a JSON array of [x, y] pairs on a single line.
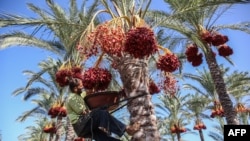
[[243, 26]]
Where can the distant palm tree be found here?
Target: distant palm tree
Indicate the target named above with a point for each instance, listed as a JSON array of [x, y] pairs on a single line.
[[35, 132], [45, 94], [237, 84], [191, 19], [175, 116], [197, 105]]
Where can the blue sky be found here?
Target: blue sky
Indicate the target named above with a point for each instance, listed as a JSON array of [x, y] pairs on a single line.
[[16, 59]]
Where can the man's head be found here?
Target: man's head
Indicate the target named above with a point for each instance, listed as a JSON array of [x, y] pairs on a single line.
[[75, 85]]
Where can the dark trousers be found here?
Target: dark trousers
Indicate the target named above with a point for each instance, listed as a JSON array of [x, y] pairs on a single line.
[[88, 126]]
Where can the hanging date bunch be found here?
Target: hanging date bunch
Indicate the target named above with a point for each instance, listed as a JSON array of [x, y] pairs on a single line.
[[107, 37], [57, 109], [140, 42], [193, 56], [199, 125], [169, 85], [213, 37], [96, 79], [177, 128], [168, 63], [62, 77], [66, 72], [240, 108], [224, 50], [50, 128], [153, 88], [217, 110], [216, 39], [77, 72]]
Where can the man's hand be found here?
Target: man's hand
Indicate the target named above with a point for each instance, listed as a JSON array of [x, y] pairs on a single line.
[[86, 111]]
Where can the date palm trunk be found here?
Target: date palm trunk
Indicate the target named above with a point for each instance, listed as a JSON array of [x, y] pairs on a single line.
[[178, 136], [201, 135], [134, 75], [51, 136], [59, 128], [70, 133], [230, 113]]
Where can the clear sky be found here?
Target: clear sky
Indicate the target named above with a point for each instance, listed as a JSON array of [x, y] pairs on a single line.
[[16, 59]]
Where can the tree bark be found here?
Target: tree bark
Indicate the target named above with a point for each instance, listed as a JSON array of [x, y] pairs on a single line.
[[59, 131], [201, 135], [134, 75], [70, 133], [230, 113]]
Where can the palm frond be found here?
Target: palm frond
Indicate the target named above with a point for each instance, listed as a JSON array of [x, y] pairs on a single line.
[[34, 91], [19, 91], [34, 76], [27, 114], [22, 39], [242, 26]]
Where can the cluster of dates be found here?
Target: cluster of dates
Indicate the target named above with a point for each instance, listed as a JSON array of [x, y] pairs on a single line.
[[177, 129], [63, 75], [109, 38], [240, 108], [192, 55], [168, 63], [96, 79], [112, 39], [169, 85], [217, 110], [140, 42], [93, 79], [49, 128], [153, 88], [218, 40], [57, 110], [199, 125]]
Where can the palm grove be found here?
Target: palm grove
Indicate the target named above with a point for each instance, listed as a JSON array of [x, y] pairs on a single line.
[[125, 45]]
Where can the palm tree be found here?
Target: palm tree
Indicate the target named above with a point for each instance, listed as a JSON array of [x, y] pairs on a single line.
[[107, 41], [194, 20], [237, 87], [197, 104], [175, 117], [63, 29], [35, 133], [48, 93], [236, 83]]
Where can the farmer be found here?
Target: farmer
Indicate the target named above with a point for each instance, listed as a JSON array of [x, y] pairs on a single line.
[[97, 124]]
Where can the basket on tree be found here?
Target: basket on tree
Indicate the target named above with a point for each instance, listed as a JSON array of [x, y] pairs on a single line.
[[105, 99]]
